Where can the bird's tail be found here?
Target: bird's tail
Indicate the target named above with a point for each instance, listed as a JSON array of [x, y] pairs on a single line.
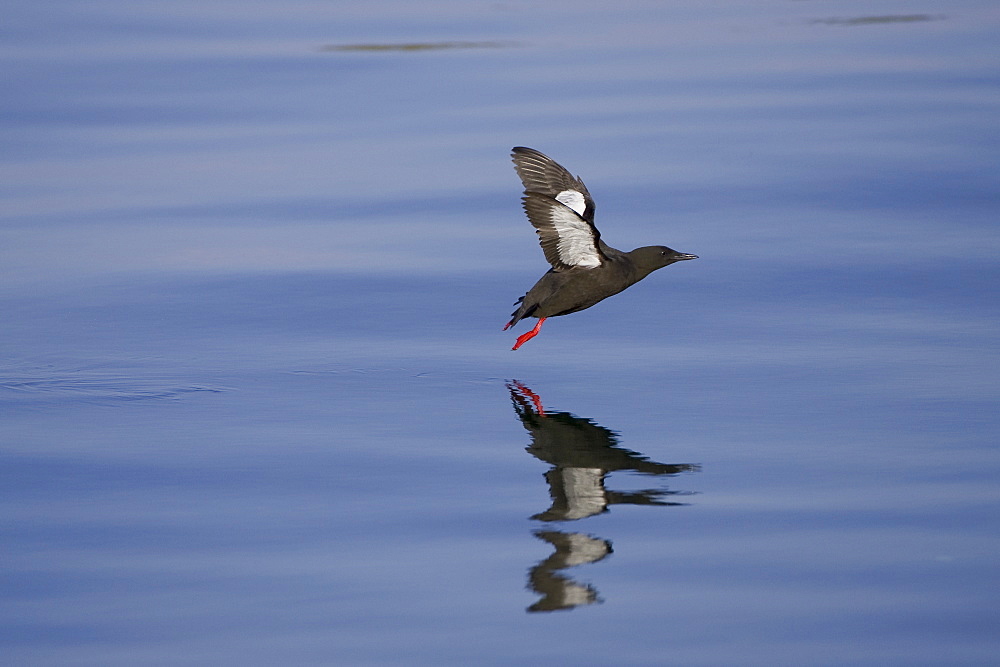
[[521, 312]]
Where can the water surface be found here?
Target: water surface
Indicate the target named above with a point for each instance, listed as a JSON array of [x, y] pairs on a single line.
[[257, 403]]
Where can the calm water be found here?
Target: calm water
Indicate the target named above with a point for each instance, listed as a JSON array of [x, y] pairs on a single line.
[[258, 409]]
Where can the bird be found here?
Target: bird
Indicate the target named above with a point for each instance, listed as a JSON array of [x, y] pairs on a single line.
[[585, 270]]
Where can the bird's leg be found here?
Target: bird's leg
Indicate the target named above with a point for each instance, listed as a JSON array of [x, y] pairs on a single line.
[[525, 337], [508, 325]]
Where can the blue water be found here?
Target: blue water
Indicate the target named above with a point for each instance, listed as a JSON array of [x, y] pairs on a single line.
[[257, 405]]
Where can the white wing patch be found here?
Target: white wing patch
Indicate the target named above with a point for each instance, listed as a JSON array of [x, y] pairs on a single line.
[[573, 199], [576, 239]]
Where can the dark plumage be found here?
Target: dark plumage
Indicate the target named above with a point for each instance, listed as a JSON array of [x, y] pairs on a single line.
[[585, 270]]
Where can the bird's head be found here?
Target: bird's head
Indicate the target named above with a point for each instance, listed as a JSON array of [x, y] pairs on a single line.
[[653, 257]]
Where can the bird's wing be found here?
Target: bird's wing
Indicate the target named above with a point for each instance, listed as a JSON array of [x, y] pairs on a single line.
[[567, 239], [561, 210], [540, 173]]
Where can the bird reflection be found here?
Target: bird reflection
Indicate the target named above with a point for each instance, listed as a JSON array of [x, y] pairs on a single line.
[[559, 592], [582, 454]]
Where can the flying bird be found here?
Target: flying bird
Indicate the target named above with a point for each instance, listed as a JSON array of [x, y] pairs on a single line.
[[585, 269]]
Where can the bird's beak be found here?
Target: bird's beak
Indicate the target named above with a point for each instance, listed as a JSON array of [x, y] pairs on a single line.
[[683, 255]]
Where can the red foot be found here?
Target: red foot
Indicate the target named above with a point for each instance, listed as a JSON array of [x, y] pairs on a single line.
[[525, 337], [508, 325]]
